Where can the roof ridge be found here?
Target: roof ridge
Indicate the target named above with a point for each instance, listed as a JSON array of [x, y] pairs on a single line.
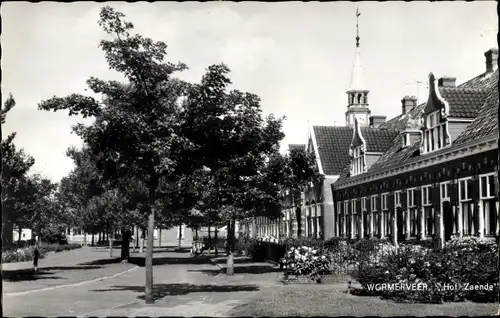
[[479, 89]]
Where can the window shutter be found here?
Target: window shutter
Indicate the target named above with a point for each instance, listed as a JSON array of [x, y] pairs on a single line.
[[390, 201], [473, 188], [453, 192], [495, 186], [434, 196], [403, 200], [492, 187], [475, 216], [417, 199]]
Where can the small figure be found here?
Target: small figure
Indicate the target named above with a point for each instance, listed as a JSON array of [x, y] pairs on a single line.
[[36, 255]]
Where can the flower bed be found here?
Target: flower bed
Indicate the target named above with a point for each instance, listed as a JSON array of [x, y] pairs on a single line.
[[306, 261], [26, 254], [446, 273]]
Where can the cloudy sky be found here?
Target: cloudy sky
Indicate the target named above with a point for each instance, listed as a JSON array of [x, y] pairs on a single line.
[[296, 56]]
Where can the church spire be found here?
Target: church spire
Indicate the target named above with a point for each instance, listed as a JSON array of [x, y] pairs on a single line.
[[357, 107], [357, 74]]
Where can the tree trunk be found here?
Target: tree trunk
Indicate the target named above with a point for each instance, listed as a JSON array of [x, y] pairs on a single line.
[[99, 238], [92, 244], [141, 245], [111, 244], [8, 233], [135, 239], [85, 238], [298, 216], [125, 249], [196, 233], [20, 231], [149, 259], [215, 239], [180, 236], [159, 237], [209, 240], [229, 248]]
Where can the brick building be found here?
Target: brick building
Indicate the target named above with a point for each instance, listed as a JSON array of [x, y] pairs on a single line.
[[438, 177]]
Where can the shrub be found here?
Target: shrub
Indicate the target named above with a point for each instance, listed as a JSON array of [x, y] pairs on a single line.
[[460, 262], [305, 260], [20, 255]]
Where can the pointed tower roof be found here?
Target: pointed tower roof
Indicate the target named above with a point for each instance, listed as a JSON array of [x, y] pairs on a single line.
[[357, 82]]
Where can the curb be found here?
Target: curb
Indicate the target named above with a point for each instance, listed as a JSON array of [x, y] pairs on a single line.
[[214, 263], [70, 285]]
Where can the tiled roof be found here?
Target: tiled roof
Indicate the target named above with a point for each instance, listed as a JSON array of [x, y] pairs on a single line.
[[333, 147], [334, 142], [464, 102], [486, 123], [483, 80], [296, 146], [399, 122], [378, 139], [397, 153]]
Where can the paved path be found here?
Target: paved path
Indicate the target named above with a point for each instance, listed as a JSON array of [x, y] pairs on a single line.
[[67, 258], [184, 286], [61, 269]]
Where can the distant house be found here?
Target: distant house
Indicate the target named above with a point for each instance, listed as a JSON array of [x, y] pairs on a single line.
[[26, 235]]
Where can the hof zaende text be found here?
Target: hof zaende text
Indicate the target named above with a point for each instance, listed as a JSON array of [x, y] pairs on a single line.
[[424, 287]]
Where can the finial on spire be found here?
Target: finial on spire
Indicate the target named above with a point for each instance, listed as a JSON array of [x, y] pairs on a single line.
[[357, 26]]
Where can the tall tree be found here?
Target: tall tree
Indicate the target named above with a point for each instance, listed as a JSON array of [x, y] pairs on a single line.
[[136, 132], [233, 141], [15, 167], [301, 171]]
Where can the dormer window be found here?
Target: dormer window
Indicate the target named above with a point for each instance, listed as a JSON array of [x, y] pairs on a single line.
[[406, 140], [435, 132]]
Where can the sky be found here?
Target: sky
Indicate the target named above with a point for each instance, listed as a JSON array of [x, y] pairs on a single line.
[[296, 56]]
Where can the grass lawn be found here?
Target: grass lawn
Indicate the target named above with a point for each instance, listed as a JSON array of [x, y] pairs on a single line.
[[331, 300]]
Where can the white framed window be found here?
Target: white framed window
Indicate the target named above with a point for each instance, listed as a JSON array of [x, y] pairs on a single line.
[[487, 186], [384, 201], [363, 204], [444, 190], [435, 135], [469, 213], [397, 198], [339, 207], [357, 161], [463, 192], [374, 203], [410, 197], [426, 195], [346, 207]]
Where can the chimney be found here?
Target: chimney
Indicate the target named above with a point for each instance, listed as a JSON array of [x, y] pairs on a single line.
[[408, 103], [491, 60], [376, 121], [447, 81]]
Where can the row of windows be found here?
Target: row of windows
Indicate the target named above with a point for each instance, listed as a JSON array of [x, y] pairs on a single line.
[[487, 191], [465, 218]]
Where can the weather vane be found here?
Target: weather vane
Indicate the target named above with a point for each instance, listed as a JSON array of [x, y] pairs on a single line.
[[357, 26]]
